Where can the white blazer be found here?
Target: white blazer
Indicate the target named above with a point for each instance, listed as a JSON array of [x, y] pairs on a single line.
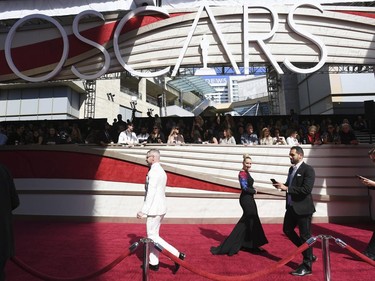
[[155, 202]]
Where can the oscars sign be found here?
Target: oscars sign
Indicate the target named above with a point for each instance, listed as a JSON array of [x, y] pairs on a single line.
[[260, 40]]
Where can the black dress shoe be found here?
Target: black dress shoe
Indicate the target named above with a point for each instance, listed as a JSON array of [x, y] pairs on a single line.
[[301, 271], [369, 255], [152, 267], [181, 256], [257, 250]]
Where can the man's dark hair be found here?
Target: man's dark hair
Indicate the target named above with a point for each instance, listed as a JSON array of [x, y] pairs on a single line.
[[298, 149]]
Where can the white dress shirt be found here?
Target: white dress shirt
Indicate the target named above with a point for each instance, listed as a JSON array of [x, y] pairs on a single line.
[[127, 137]]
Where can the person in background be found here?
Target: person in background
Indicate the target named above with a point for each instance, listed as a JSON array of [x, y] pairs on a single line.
[[198, 125], [37, 136], [229, 122], [93, 136], [128, 136], [313, 136], [293, 138], [265, 137], [63, 132], [249, 137], [299, 206], [156, 136], [52, 137], [16, 135], [117, 130], [157, 122], [150, 120], [227, 137], [248, 233], [119, 122], [277, 139], [238, 134], [76, 135], [3, 136], [209, 137], [143, 135], [360, 124], [347, 135], [331, 136], [175, 137], [155, 207], [196, 137], [105, 135], [370, 249], [8, 202], [170, 124]]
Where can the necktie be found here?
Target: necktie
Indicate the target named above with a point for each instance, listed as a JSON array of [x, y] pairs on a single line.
[[289, 182]]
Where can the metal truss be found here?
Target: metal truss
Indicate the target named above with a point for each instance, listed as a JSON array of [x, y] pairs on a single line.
[[273, 88], [90, 88]]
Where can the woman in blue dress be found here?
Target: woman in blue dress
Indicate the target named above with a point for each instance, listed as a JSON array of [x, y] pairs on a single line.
[[248, 233]]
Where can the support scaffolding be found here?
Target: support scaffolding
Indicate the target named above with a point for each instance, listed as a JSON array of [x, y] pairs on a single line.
[[273, 88], [90, 88]]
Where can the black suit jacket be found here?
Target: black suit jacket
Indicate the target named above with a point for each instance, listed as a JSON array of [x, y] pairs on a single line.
[[8, 201], [300, 189]]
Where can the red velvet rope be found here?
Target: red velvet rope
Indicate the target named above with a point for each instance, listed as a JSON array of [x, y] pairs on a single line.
[[42, 276], [360, 255], [251, 276]]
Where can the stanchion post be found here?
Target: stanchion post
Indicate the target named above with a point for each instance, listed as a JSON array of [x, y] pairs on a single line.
[[326, 257], [146, 254]]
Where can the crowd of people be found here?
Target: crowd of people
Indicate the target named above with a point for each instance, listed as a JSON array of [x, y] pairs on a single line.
[[248, 233], [219, 129]]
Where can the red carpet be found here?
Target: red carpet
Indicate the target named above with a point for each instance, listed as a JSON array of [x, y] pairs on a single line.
[[68, 250]]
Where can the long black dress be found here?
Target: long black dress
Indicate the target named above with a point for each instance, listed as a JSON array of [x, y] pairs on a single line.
[[248, 233]]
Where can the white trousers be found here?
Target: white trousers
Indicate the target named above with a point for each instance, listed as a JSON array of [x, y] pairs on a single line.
[[152, 226]]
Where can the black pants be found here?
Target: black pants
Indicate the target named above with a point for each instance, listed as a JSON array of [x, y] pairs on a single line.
[[2, 270], [371, 245], [291, 221]]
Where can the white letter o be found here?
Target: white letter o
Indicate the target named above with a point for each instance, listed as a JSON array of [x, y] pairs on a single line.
[[8, 45]]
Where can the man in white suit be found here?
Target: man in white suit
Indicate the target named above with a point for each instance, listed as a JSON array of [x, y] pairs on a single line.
[[155, 208]]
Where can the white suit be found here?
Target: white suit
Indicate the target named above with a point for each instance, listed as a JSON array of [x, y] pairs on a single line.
[[155, 207]]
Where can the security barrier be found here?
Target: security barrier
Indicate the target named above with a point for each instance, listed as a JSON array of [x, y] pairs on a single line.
[[212, 276]]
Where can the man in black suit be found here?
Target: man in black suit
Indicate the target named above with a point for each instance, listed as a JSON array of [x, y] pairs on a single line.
[[8, 202], [299, 206]]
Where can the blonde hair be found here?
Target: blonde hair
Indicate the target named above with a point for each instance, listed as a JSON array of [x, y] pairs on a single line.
[[264, 130], [246, 156], [313, 127]]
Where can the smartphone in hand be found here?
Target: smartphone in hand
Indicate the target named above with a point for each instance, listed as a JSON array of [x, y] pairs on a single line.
[[273, 181]]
